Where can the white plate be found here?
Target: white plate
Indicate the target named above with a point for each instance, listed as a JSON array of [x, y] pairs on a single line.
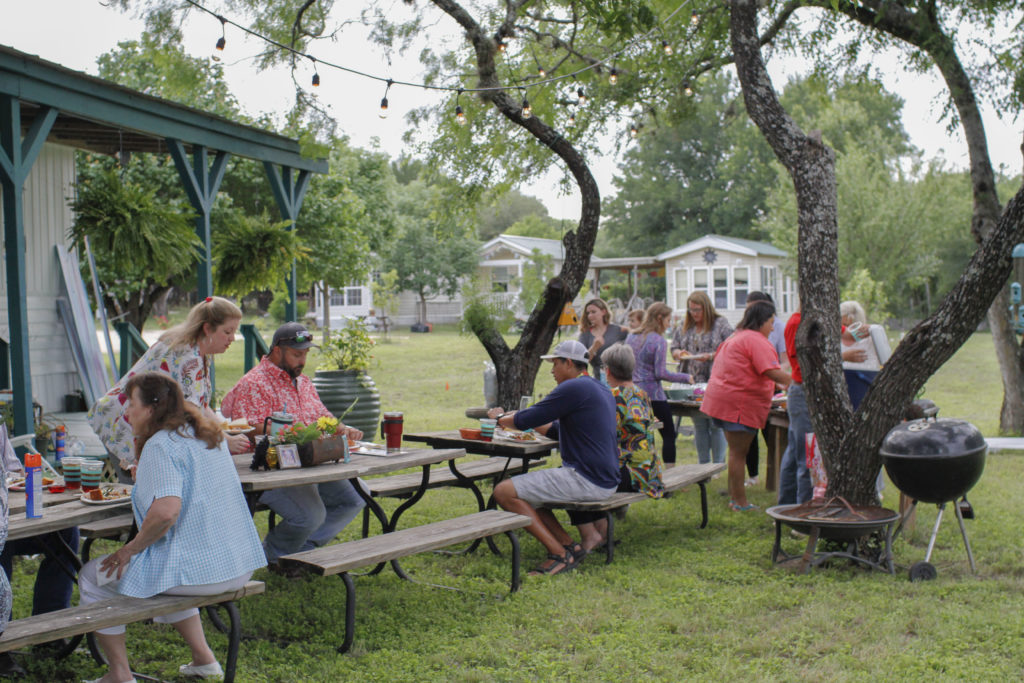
[[108, 487]]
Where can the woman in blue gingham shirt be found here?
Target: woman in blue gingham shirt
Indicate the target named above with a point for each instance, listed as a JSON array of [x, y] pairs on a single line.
[[195, 533]]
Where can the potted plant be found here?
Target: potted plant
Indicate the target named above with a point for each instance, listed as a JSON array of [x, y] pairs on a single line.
[[341, 379], [317, 442]]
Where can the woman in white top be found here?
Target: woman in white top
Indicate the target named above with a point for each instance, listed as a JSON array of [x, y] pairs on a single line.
[[870, 339]]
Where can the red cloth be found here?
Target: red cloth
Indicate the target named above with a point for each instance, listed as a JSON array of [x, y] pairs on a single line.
[[267, 388], [790, 334], [738, 390]]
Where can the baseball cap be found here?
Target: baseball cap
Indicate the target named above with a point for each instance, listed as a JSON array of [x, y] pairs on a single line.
[[570, 349], [293, 335]]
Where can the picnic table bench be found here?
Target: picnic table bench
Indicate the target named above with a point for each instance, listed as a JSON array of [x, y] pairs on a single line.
[[342, 558], [674, 479], [83, 619]]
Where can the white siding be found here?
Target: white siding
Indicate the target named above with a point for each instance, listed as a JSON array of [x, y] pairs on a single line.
[[47, 220]]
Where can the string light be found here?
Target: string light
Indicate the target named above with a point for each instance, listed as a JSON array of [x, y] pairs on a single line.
[[527, 109], [613, 76], [222, 41], [502, 45], [694, 18], [666, 48], [687, 90], [581, 98], [572, 118], [460, 118], [634, 131], [541, 72], [384, 101]]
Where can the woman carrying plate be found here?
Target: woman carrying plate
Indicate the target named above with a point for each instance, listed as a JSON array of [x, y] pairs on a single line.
[[184, 352], [195, 533], [694, 344]]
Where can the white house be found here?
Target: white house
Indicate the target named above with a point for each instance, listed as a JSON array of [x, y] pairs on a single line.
[[728, 268]]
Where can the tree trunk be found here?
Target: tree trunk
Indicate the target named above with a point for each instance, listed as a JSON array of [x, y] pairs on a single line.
[[923, 31], [517, 368], [850, 441]]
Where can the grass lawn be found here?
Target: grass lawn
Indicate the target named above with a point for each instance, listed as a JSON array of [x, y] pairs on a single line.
[[678, 603]]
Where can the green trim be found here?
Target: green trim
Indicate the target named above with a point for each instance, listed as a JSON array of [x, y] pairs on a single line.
[[289, 193], [133, 346], [201, 181], [255, 346]]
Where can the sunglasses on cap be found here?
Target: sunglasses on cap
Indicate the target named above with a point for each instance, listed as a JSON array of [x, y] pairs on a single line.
[[301, 338]]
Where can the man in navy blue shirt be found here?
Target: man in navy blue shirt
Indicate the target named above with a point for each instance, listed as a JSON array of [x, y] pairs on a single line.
[[580, 413]]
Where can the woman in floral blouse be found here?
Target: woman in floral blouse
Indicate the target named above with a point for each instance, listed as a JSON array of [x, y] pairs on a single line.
[[183, 352], [639, 462]]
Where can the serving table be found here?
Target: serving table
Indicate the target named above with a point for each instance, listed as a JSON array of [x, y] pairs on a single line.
[[776, 438]]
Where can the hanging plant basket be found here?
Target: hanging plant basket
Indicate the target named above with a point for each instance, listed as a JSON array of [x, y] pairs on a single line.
[[352, 396]]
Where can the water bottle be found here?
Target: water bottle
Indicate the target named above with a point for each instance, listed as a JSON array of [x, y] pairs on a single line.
[[33, 485]]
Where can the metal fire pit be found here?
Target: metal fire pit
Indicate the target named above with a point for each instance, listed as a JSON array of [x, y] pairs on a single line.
[[834, 520], [935, 461]]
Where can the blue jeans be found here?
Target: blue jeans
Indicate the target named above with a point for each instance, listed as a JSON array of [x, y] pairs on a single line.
[[52, 589], [794, 478], [710, 440], [310, 516]]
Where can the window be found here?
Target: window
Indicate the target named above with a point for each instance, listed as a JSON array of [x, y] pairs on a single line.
[[681, 277], [721, 291], [500, 278], [789, 296], [740, 285], [353, 296], [700, 279], [337, 297], [770, 281]]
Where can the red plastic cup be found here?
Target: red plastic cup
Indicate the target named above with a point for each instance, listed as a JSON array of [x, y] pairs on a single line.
[[391, 430]]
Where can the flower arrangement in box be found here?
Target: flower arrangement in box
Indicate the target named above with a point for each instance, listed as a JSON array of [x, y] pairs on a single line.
[[318, 442], [301, 433]]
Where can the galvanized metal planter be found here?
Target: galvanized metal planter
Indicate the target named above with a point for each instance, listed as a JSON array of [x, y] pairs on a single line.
[[341, 390]]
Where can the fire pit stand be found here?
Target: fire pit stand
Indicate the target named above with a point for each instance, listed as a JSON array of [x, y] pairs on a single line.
[[835, 522]]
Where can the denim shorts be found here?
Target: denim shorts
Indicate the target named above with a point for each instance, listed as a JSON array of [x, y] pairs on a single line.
[[733, 426]]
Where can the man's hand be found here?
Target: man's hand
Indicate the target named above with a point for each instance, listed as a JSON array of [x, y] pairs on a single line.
[[353, 434], [855, 355], [493, 413]]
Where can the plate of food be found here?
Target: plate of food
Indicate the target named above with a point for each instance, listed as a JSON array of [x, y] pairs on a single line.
[[108, 494], [516, 435], [239, 426], [17, 483]]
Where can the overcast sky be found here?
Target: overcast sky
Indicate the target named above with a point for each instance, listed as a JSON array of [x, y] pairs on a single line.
[[74, 33]]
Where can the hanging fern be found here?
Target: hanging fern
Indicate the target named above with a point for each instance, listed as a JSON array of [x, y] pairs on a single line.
[[252, 253]]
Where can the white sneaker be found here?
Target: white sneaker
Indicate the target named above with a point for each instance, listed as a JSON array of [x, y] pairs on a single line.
[[752, 481], [211, 670]]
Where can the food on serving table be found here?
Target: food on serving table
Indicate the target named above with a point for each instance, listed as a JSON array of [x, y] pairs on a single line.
[[109, 492]]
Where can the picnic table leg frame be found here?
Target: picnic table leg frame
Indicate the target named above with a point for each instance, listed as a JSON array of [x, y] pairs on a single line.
[[466, 483], [609, 543], [703, 503], [379, 513], [350, 612], [516, 578], [234, 638]]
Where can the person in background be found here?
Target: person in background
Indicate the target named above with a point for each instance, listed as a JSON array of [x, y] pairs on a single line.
[[777, 339], [794, 478], [739, 394], [694, 344], [311, 515], [649, 349], [597, 333], [634, 319], [580, 414], [859, 335], [195, 533], [184, 352], [640, 465]]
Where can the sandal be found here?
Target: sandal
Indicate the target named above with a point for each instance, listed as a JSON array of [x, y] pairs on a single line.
[[577, 551], [566, 563], [735, 507]]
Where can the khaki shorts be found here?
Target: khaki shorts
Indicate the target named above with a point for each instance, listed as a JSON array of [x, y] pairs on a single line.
[[559, 485]]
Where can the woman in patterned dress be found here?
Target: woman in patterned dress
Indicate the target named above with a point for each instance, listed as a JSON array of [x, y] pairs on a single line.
[[183, 352], [639, 462], [195, 533]]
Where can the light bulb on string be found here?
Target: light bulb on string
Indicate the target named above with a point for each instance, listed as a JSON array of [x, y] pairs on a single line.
[[527, 111], [222, 41], [687, 90], [613, 76], [634, 131], [541, 72], [316, 74], [666, 48], [384, 101], [460, 117], [581, 96], [694, 18], [572, 118]]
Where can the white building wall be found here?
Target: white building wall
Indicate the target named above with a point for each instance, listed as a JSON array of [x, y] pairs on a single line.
[[48, 218]]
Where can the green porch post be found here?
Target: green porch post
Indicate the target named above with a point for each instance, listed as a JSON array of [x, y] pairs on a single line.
[[201, 181], [289, 193], [16, 159]]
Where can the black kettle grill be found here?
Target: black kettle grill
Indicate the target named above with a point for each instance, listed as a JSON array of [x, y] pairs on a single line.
[[935, 461]]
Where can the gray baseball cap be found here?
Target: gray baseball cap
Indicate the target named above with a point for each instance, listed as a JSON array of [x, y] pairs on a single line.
[[570, 349]]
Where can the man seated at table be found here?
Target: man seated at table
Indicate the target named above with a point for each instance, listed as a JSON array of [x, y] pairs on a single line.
[[311, 515], [581, 413]]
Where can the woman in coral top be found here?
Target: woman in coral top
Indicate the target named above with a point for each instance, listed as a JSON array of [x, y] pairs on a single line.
[[739, 393]]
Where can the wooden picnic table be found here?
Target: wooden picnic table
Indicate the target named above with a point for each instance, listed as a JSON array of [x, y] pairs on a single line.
[[16, 500], [777, 427], [505, 448], [62, 516]]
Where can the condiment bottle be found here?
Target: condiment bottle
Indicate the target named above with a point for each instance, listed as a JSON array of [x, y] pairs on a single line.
[[33, 485], [59, 434]]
